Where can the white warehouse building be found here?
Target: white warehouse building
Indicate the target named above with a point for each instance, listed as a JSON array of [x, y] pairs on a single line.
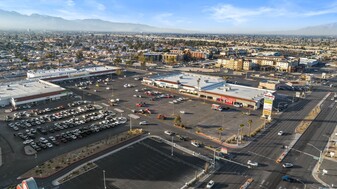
[[29, 91], [70, 73]]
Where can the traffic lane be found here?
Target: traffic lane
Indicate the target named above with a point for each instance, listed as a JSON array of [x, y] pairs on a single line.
[[144, 165], [304, 163], [287, 122], [259, 146]]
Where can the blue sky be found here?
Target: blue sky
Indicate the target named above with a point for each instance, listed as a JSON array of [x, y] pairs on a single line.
[[242, 16]]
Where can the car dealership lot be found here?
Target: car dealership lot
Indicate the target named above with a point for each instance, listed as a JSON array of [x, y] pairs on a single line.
[[147, 164]]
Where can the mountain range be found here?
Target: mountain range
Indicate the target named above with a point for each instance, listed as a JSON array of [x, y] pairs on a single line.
[[10, 20]]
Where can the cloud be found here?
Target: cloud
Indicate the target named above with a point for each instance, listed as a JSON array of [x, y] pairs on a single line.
[[164, 18], [70, 3], [228, 12], [100, 7]]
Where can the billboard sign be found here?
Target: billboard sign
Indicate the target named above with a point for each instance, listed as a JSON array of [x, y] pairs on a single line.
[[268, 104]]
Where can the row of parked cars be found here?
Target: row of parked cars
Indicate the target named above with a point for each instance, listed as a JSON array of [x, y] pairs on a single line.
[[50, 117], [35, 112], [110, 121]]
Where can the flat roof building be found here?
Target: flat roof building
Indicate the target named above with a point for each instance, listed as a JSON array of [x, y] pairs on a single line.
[[211, 88], [29, 91], [70, 73]]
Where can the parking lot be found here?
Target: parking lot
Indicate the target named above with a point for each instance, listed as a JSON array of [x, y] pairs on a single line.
[[149, 103], [147, 164]]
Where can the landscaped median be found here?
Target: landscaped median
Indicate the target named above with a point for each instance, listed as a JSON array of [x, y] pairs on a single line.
[[231, 140], [310, 117], [302, 127], [63, 161]]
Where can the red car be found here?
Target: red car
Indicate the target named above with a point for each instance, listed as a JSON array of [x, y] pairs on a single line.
[[140, 104]]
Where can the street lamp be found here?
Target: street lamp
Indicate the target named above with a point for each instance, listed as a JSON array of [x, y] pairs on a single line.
[[172, 147], [104, 179], [320, 155]]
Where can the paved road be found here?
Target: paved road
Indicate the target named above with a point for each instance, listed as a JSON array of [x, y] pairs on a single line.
[[267, 147]]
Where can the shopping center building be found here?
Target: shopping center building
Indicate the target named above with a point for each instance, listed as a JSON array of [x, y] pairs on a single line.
[[29, 91], [71, 73], [211, 88]]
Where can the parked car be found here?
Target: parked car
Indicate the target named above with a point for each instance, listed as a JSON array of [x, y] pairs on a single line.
[[252, 163], [210, 184], [287, 165], [280, 133], [170, 133], [196, 143], [288, 178], [143, 123]]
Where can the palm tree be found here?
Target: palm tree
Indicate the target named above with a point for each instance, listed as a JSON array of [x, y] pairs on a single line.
[[177, 120], [250, 126], [220, 129], [241, 129]]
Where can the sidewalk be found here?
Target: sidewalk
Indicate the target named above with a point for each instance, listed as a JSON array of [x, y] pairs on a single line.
[[329, 164]]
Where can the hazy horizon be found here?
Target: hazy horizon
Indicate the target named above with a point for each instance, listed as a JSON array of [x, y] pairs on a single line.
[[202, 16]]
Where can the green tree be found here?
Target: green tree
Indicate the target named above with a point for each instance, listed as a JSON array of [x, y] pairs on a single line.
[[129, 63], [117, 61], [250, 127], [177, 120], [79, 55], [119, 72], [220, 130]]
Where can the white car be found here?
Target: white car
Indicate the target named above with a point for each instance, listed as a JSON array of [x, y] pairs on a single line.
[[49, 145], [287, 165], [27, 141], [280, 133], [143, 123], [255, 164], [195, 143], [210, 184], [169, 132]]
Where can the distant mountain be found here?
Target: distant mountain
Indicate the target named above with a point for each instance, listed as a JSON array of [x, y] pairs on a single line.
[[323, 30], [10, 20], [326, 29]]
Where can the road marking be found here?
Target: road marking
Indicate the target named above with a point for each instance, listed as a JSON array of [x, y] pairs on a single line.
[[260, 155], [304, 153], [104, 104], [119, 110]]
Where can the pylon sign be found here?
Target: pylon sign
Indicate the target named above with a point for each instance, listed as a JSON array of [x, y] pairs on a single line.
[[268, 104]]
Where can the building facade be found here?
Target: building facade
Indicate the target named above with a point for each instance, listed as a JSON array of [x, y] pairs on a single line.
[[211, 88]]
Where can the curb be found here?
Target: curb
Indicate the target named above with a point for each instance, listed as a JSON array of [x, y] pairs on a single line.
[[0, 157]]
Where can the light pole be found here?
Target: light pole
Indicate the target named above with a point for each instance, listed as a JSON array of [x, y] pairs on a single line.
[[104, 179], [130, 124], [237, 138], [172, 147], [214, 158], [320, 155]]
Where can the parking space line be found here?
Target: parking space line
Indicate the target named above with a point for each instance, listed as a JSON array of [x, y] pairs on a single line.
[[104, 104]]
